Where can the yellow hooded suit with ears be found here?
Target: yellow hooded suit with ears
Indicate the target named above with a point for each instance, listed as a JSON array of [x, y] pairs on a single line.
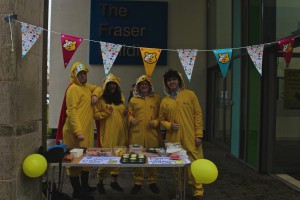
[[79, 112], [113, 128], [144, 109], [183, 109]]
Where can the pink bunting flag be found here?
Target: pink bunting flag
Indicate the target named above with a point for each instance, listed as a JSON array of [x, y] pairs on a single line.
[[256, 54], [110, 52], [187, 58], [69, 45], [30, 34], [286, 46]]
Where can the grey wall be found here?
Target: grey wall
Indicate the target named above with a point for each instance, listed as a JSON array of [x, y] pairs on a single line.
[[20, 101], [181, 34]]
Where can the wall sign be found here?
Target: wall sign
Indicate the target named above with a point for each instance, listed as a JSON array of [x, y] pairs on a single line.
[[130, 23], [292, 88]]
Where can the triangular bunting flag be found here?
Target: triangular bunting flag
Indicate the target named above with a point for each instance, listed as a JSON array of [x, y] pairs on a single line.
[[69, 45], [256, 54], [223, 57], [110, 52], [187, 58], [286, 46], [150, 57], [30, 34]]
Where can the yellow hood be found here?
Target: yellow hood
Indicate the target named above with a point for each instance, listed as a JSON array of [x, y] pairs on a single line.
[[181, 86], [77, 67], [111, 78], [141, 79]]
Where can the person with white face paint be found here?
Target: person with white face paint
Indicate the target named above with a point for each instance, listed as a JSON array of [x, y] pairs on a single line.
[[76, 125]]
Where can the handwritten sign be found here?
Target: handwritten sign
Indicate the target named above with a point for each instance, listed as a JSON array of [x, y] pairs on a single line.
[[100, 160], [166, 161]]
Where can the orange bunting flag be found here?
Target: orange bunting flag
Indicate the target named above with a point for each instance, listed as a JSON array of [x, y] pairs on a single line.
[[150, 57]]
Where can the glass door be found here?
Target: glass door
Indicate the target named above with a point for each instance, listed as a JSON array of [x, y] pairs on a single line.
[[286, 157], [222, 112]]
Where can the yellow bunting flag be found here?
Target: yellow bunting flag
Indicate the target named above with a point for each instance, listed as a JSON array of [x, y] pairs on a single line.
[[150, 57]]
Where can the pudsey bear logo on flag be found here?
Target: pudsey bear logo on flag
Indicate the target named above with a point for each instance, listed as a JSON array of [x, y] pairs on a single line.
[[69, 45]]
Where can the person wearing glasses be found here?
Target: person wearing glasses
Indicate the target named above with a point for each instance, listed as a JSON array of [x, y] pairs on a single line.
[[144, 128]]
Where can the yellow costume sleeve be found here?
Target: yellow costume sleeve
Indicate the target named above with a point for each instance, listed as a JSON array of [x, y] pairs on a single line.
[[73, 111], [162, 117], [95, 89], [101, 111], [198, 122], [130, 112]]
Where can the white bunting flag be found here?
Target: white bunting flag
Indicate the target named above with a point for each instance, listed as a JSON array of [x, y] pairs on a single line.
[[187, 58], [30, 34], [110, 52], [256, 54]]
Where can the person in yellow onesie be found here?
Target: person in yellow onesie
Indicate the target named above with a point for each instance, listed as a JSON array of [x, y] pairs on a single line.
[[144, 127], [111, 112], [180, 114], [78, 129]]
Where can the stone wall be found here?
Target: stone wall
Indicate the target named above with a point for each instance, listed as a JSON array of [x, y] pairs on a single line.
[[20, 100]]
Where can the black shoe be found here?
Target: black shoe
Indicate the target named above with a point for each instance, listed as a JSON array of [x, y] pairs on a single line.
[[116, 186], [199, 197], [136, 189], [88, 189], [100, 188], [153, 187], [82, 196]]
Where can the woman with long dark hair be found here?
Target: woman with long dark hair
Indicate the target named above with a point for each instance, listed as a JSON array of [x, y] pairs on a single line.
[[111, 112]]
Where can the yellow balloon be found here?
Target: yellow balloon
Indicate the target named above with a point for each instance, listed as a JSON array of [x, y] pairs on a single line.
[[204, 171], [34, 165]]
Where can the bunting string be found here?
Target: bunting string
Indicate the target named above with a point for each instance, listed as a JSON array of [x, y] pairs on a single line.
[[137, 47], [150, 56]]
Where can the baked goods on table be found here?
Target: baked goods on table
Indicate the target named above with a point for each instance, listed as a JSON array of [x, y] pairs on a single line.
[[68, 158], [173, 147]]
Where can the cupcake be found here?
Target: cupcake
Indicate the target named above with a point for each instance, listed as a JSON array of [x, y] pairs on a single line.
[[126, 155], [133, 156]]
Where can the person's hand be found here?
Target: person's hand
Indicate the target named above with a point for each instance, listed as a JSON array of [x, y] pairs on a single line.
[[125, 112], [109, 108], [80, 137], [133, 122], [174, 126], [198, 141], [94, 100], [151, 123]]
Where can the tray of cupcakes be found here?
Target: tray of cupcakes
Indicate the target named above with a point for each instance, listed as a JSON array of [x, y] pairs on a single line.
[[133, 158], [154, 149]]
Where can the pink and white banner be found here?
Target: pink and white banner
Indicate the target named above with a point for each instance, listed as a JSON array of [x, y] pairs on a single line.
[[286, 46], [256, 54], [110, 52], [30, 34], [69, 45], [187, 58]]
